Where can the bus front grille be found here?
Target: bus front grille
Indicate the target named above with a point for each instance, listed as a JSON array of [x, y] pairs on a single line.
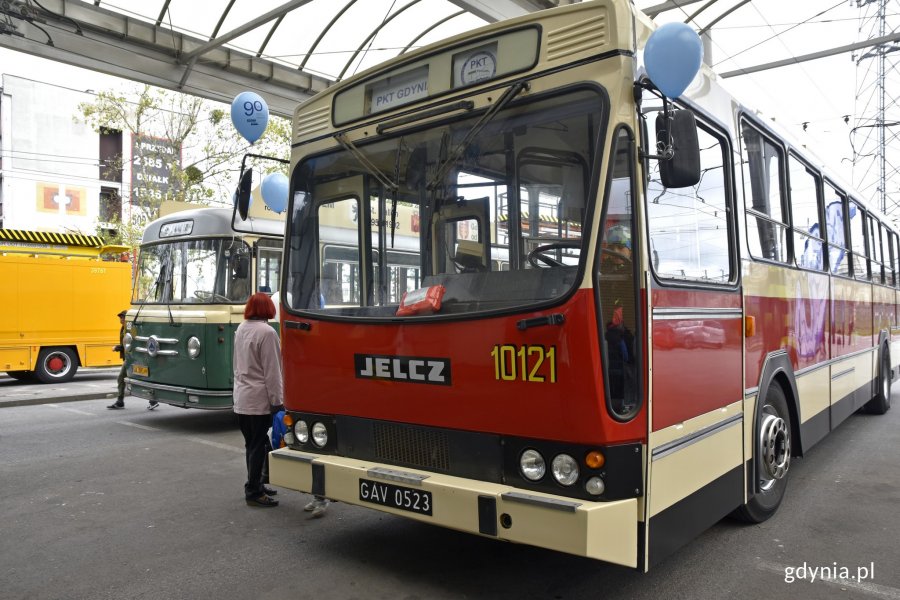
[[425, 448]]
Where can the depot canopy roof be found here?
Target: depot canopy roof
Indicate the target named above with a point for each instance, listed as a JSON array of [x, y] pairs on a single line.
[[285, 49]]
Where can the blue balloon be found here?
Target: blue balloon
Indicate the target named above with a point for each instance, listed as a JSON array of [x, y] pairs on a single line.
[[274, 190], [250, 115], [672, 56]]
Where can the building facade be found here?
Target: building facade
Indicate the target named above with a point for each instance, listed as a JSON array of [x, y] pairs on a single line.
[[56, 173]]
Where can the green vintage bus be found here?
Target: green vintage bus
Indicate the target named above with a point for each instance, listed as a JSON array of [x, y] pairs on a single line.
[[195, 272]]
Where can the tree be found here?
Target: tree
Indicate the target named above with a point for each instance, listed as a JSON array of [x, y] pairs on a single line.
[[185, 148]]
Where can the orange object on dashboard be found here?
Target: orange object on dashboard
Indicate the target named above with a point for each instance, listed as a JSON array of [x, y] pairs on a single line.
[[422, 301]]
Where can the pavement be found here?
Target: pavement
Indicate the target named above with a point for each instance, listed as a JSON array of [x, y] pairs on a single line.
[[88, 384]]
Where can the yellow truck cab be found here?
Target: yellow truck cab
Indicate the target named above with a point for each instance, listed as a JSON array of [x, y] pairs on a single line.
[[58, 303]]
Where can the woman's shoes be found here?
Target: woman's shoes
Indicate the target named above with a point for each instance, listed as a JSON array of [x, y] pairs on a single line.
[[262, 501]]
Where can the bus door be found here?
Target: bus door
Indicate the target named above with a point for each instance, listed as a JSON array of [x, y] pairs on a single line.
[[695, 452], [267, 252]]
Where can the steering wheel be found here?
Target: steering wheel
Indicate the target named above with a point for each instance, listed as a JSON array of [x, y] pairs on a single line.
[[537, 256], [204, 295]]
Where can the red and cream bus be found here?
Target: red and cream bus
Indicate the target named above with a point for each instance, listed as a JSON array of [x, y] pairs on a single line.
[[601, 346]]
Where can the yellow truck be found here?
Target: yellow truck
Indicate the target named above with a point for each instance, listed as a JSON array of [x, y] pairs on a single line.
[[59, 297]]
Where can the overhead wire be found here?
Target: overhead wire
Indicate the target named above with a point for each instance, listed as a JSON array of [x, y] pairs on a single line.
[[801, 66], [778, 34]]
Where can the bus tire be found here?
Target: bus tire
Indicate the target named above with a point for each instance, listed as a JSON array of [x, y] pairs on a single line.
[[56, 365], [881, 403], [771, 458], [21, 375]]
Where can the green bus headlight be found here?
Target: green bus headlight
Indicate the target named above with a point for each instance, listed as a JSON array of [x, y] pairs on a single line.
[[193, 347]]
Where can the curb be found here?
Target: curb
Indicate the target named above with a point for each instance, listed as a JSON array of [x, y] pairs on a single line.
[[57, 400]]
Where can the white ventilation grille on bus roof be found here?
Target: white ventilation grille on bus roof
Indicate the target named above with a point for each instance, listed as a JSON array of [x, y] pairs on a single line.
[[584, 36], [312, 122]]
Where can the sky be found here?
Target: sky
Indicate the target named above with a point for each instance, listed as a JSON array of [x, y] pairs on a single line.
[[821, 94]]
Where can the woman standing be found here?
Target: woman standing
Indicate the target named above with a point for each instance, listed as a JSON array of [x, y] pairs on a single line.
[[258, 390]]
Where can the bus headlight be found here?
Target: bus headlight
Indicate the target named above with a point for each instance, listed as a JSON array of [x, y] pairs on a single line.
[[126, 341], [319, 434], [301, 430], [565, 469], [532, 465], [595, 486], [193, 347]]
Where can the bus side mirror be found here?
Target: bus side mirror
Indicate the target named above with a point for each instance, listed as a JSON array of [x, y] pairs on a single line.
[[679, 132], [243, 193]]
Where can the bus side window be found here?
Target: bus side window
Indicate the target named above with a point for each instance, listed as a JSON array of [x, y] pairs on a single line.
[[806, 216], [859, 254], [838, 259], [766, 217], [689, 227]]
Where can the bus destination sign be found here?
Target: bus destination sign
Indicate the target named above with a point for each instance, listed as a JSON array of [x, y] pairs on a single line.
[[176, 228], [397, 90]]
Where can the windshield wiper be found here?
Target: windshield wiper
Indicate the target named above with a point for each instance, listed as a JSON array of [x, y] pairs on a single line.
[[166, 276], [367, 164], [511, 92]]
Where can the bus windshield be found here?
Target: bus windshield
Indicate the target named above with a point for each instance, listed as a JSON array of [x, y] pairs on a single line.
[[205, 271], [488, 208]]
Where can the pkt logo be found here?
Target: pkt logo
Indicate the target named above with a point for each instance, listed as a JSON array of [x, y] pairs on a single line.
[[409, 369]]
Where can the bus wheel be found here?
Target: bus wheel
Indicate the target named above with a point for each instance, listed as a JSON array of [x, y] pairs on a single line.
[[21, 375], [882, 400], [56, 365], [771, 458]]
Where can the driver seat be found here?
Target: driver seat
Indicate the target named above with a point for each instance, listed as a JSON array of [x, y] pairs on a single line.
[[470, 256]]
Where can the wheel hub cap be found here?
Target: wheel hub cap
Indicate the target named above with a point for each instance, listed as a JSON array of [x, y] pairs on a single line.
[[775, 446]]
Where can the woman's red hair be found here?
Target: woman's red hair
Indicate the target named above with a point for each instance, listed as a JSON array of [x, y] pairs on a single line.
[[259, 306]]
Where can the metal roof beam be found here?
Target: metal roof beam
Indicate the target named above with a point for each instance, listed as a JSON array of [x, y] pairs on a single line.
[[652, 11], [894, 37], [248, 26], [136, 49], [499, 10]]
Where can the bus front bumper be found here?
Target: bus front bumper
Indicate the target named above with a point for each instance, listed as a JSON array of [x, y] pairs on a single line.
[[605, 531], [181, 396]]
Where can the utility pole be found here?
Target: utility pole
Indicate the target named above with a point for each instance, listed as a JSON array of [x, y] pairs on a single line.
[[873, 172]]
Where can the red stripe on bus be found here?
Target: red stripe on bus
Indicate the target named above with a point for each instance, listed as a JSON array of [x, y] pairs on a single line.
[[320, 375]]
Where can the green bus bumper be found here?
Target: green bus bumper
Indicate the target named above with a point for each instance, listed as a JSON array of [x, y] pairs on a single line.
[[181, 396]]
